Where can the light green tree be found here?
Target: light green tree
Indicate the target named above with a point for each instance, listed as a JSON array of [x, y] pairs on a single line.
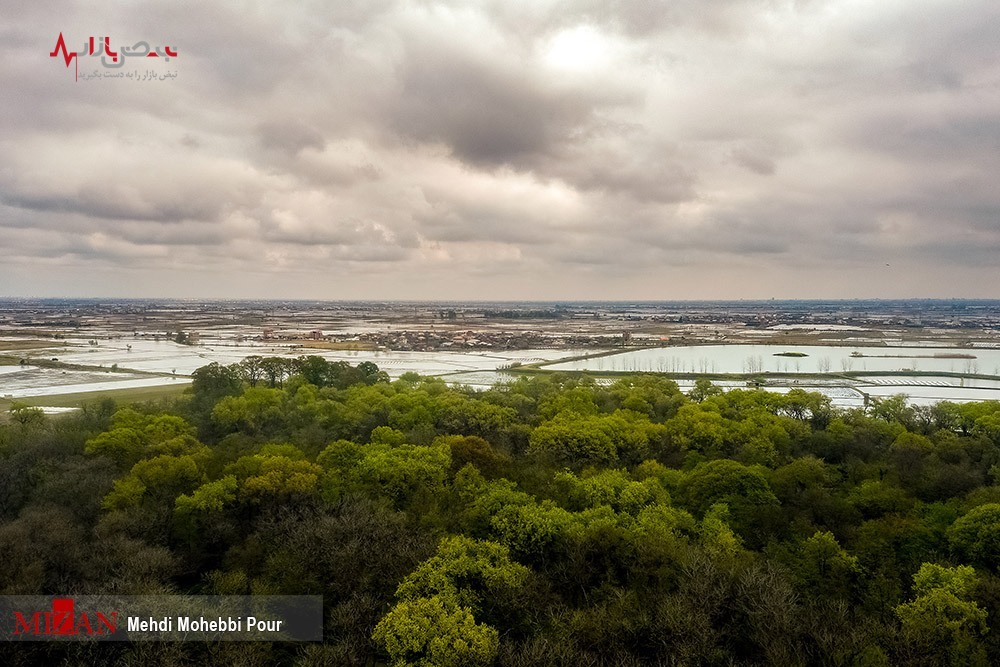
[[825, 569], [977, 535], [434, 624], [158, 479], [726, 481], [703, 388], [942, 625], [435, 632], [717, 537], [475, 572], [264, 476], [404, 472], [123, 445]]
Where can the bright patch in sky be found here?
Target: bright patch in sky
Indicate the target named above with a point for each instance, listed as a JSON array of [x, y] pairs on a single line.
[[581, 48]]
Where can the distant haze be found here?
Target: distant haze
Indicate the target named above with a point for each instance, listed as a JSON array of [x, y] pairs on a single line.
[[505, 150]]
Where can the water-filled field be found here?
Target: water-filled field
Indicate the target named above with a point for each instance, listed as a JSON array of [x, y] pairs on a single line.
[[141, 362], [804, 359], [171, 362], [166, 356]]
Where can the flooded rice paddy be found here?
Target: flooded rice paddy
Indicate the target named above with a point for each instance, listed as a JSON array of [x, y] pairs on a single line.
[[122, 363], [804, 359]]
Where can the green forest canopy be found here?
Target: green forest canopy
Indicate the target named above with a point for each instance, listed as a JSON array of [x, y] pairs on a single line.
[[548, 521]]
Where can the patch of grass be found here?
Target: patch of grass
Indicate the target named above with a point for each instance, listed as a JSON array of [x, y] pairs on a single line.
[[29, 344], [790, 354], [53, 362], [123, 396]]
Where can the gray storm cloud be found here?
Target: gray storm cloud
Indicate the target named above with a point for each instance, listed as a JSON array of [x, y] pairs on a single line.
[[554, 149]]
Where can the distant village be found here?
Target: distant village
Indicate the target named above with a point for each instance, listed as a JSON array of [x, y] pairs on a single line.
[[429, 341], [426, 327]]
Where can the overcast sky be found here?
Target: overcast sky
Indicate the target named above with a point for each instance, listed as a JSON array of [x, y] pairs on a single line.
[[548, 149]]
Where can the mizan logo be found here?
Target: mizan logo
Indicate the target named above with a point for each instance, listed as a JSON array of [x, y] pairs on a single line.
[[63, 621]]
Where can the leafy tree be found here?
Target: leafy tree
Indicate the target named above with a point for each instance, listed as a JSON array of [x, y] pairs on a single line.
[[26, 416], [370, 373], [404, 473], [209, 497], [976, 536], [251, 369], [825, 569], [433, 623], [942, 625], [892, 409], [124, 446], [696, 428], [802, 405], [276, 370], [725, 481], [315, 370], [340, 454], [534, 532], [460, 415], [256, 411], [578, 400], [570, 438], [383, 435], [475, 450], [212, 382], [435, 632], [271, 477], [161, 428], [875, 498], [475, 572], [717, 537], [703, 388], [909, 453], [159, 479], [609, 487], [574, 439]]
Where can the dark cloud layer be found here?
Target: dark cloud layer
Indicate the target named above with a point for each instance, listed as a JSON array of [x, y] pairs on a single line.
[[553, 149]]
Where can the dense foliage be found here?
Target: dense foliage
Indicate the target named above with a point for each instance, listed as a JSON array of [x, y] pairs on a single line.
[[550, 521]]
